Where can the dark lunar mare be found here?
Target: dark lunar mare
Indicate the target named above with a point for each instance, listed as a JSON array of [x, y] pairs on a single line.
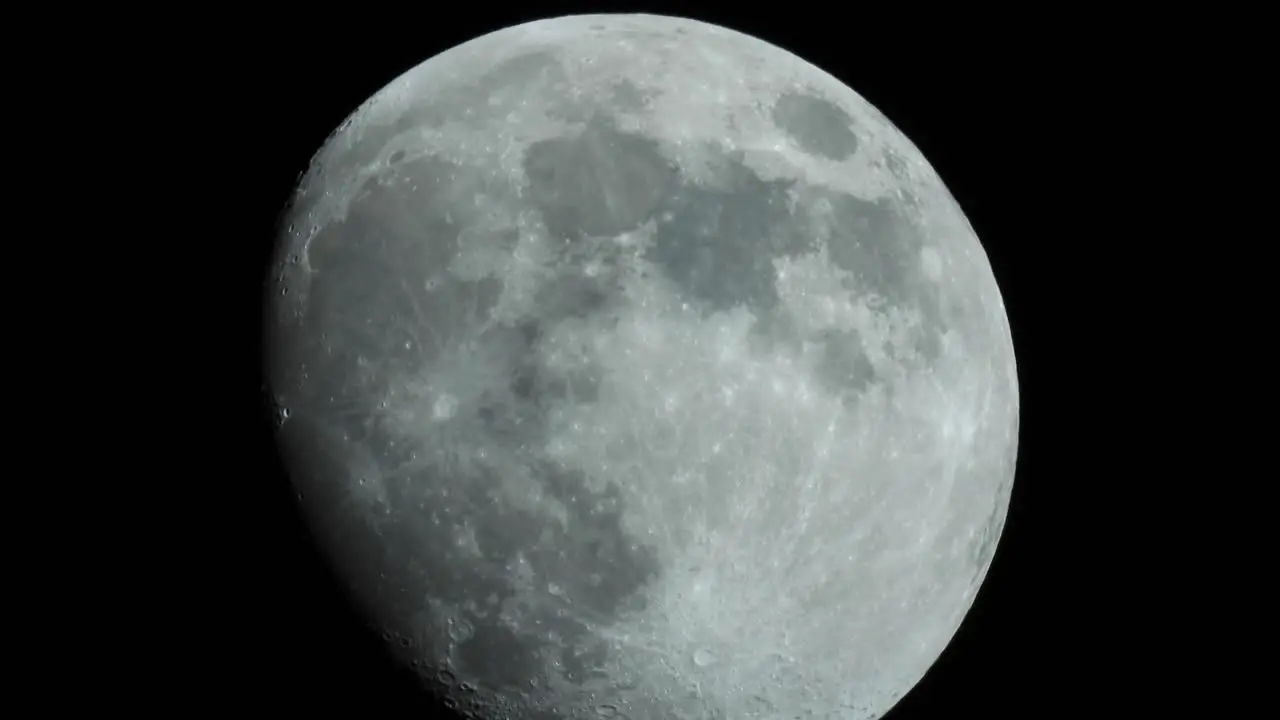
[[372, 317], [817, 125], [369, 319], [717, 242]]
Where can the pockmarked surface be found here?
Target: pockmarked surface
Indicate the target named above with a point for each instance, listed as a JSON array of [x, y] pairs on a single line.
[[634, 367]]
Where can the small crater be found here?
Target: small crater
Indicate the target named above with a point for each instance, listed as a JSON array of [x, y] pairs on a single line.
[[446, 677], [704, 657], [396, 157], [459, 630]]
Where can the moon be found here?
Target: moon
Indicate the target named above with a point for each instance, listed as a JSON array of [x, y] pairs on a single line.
[[629, 366]]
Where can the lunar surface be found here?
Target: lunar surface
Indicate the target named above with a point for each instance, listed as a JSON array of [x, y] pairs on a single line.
[[633, 367]]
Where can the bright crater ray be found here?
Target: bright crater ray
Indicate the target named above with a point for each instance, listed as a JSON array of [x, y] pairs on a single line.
[[637, 368]]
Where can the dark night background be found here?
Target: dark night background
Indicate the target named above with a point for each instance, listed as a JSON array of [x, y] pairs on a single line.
[[986, 110]]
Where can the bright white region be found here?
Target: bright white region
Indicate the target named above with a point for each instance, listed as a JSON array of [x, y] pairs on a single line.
[[445, 407], [931, 263]]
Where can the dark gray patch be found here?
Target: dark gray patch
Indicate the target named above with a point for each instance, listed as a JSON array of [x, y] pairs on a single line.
[[881, 247], [524, 384], [881, 250], [565, 296], [597, 566], [720, 242], [368, 309], [538, 386], [773, 331], [373, 316], [600, 182], [629, 98], [468, 103], [984, 548], [593, 559], [383, 306], [571, 294], [321, 461], [532, 386], [818, 126], [512, 415], [844, 366], [412, 556], [499, 657], [522, 70]]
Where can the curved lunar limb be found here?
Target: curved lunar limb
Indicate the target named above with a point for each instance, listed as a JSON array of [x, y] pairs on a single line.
[[637, 368]]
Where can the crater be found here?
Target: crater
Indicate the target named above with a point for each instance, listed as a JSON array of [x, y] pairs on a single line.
[[817, 125]]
